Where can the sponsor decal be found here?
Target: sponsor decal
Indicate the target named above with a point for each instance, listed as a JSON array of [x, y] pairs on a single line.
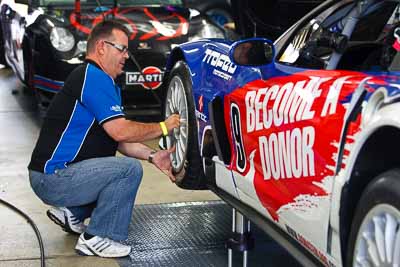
[[199, 113], [201, 103], [151, 77], [307, 244], [201, 116], [293, 124], [222, 75], [286, 154], [224, 68]]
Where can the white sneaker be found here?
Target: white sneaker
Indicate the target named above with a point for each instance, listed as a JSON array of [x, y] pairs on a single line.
[[103, 247], [64, 218]]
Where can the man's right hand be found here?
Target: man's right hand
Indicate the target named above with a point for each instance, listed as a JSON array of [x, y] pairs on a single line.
[[172, 122]]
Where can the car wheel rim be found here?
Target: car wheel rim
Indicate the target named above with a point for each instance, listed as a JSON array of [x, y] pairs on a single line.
[[177, 104], [378, 239]]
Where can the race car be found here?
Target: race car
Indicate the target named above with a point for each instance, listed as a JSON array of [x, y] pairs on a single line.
[[301, 135], [44, 40]]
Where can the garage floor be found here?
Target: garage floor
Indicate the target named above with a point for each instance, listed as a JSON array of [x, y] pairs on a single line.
[[194, 234], [18, 244]]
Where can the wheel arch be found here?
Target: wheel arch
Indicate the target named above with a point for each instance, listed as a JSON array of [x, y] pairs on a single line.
[[377, 155], [175, 56]]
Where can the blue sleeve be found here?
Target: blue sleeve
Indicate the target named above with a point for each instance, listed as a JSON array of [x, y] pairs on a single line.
[[101, 95]]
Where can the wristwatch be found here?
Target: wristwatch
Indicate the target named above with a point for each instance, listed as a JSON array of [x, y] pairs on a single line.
[[150, 158]]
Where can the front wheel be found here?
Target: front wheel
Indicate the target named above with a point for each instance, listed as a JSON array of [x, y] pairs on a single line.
[[375, 232], [186, 160]]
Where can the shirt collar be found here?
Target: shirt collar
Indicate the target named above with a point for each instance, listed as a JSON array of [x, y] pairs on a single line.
[[93, 63]]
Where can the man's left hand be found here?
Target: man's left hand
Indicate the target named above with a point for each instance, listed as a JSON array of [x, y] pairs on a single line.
[[162, 160]]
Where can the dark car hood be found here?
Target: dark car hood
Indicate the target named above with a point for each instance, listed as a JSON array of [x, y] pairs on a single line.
[[268, 18], [159, 23]]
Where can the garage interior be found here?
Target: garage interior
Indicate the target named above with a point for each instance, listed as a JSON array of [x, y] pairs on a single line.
[[170, 226]]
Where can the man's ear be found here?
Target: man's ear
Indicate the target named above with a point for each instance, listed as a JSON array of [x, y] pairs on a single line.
[[100, 47]]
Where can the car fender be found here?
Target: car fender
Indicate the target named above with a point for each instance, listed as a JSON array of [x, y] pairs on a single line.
[[192, 52], [386, 116]]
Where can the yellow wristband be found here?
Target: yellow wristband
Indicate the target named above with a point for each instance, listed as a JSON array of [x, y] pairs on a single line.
[[163, 128]]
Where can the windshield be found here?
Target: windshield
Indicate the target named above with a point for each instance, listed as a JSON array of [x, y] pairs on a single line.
[[111, 2]]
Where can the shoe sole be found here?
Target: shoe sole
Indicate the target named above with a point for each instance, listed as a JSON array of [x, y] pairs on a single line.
[[83, 252], [64, 227]]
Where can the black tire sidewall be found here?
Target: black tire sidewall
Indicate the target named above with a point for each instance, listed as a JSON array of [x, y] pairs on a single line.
[[192, 166], [384, 189]]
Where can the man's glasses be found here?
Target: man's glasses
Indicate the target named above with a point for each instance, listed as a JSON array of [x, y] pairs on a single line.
[[121, 48]]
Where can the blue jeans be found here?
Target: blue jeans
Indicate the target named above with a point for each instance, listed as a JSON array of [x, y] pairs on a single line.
[[103, 189]]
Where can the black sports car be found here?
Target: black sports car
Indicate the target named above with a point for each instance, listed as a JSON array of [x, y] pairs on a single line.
[[44, 40]]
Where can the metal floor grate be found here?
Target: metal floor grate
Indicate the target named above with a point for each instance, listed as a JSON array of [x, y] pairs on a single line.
[[193, 234]]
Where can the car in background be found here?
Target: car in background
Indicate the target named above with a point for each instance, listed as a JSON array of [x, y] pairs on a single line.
[[44, 40], [301, 135], [218, 10]]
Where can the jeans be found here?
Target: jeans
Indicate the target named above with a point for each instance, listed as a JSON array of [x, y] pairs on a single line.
[[103, 189]]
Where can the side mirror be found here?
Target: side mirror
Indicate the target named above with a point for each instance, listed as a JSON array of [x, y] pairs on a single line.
[[252, 52]]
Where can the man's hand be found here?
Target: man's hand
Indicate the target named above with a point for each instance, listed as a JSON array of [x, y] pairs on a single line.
[[162, 160], [172, 122]]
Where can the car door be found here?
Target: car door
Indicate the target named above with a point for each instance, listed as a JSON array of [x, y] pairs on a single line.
[[287, 129], [12, 15]]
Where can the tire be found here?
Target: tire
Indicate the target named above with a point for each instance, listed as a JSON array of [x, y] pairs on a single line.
[[377, 223], [186, 161]]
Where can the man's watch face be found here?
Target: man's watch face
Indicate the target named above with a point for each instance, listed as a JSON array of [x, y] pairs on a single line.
[[150, 158]]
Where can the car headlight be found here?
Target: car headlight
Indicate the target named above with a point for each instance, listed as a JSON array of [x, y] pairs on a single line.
[[208, 30], [81, 45], [62, 39]]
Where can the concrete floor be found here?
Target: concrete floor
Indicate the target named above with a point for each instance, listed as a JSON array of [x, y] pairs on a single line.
[[20, 124]]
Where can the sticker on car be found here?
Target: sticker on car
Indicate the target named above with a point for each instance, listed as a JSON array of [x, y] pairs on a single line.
[[150, 78]]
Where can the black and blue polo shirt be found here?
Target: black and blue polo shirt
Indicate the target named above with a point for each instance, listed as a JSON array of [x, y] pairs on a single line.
[[72, 129]]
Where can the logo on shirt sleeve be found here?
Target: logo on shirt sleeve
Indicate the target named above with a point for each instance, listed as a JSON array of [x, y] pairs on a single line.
[[116, 108]]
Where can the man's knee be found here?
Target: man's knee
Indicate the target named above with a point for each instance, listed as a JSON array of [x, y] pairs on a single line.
[[134, 170]]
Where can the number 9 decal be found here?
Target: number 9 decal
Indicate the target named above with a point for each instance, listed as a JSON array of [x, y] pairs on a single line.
[[237, 136]]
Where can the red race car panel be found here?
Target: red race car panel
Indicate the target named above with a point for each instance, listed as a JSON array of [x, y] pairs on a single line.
[[279, 121], [282, 155]]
